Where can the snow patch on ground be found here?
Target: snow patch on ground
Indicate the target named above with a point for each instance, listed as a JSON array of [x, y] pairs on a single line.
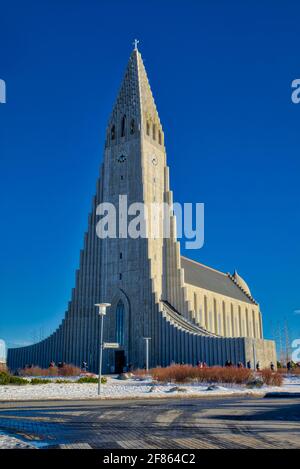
[[134, 388], [11, 442]]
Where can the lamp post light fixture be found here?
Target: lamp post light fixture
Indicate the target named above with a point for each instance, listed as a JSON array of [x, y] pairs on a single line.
[[147, 351], [102, 312]]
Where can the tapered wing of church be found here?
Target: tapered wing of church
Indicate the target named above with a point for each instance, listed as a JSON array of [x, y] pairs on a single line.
[[190, 311]]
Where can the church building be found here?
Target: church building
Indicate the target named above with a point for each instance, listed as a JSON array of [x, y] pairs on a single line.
[[191, 312]]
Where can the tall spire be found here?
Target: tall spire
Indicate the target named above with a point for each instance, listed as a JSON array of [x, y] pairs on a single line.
[[134, 101]]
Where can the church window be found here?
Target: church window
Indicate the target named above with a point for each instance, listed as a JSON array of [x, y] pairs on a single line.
[[159, 137], [132, 126], [148, 128], [247, 323], [200, 316], [123, 126], [121, 255], [224, 318], [120, 276], [113, 132], [154, 132], [232, 320], [215, 316], [228, 326], [205, 312], [121, 158], [195, 303], [254, 323], [240, 321], [260, 326], [120, 322]]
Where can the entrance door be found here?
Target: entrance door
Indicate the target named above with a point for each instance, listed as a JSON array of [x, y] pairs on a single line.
[[119, 361]]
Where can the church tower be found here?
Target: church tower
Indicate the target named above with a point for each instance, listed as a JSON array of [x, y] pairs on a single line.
[[138, 273]]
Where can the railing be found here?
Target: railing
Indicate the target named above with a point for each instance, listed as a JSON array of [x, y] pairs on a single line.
[[174, 316]]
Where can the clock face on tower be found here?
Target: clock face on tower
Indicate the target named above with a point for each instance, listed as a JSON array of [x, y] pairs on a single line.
[[121, 158]]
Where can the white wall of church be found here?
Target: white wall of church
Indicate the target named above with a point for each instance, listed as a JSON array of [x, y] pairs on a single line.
[[223, 315]]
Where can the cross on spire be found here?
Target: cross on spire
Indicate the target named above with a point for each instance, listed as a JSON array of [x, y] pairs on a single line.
[[135, 43]]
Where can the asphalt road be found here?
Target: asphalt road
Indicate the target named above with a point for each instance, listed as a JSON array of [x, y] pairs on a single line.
[[156, 424]]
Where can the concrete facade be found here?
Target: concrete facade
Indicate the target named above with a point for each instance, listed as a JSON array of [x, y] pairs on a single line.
[[190, 311]]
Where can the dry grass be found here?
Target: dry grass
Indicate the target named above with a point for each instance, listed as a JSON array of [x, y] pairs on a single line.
[[214, 374], [294, 371], [189, 373], [271, 378], [37, 371], [69, 370], [66, 370]]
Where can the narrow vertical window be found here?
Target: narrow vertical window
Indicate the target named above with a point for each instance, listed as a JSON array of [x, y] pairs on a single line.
[[205, 312], [113, 132], [159, 137], [260, 326], [215, 316], [123, 126], [195, 303], [148, 128], [224, 319], [232, 320], [240, 321], [154, 132], [247, 323], [120, 313], [132, 126], [254, 323]]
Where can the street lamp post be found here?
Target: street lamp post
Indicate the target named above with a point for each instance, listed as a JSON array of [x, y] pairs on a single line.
[[102, 312], [147, 352]]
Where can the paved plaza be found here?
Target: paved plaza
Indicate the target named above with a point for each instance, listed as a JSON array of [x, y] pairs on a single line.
[[155, 424]]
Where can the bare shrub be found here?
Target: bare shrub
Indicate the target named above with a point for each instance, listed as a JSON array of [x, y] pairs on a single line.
[[293, 371], [69, 370], [66, 370], [174, 373], [34, 371], [188, 373], [271, 378], [218, 374], [51, 371]]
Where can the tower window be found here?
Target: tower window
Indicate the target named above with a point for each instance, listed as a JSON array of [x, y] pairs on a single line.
[[121, 255], [159, 137], [154, 132], [123, 126], [148, 128], [113, 132], [120, 313], [132, 126], [120, 276]]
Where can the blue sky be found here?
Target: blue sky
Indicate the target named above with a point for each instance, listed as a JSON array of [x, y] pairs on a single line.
[[221, 74]]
